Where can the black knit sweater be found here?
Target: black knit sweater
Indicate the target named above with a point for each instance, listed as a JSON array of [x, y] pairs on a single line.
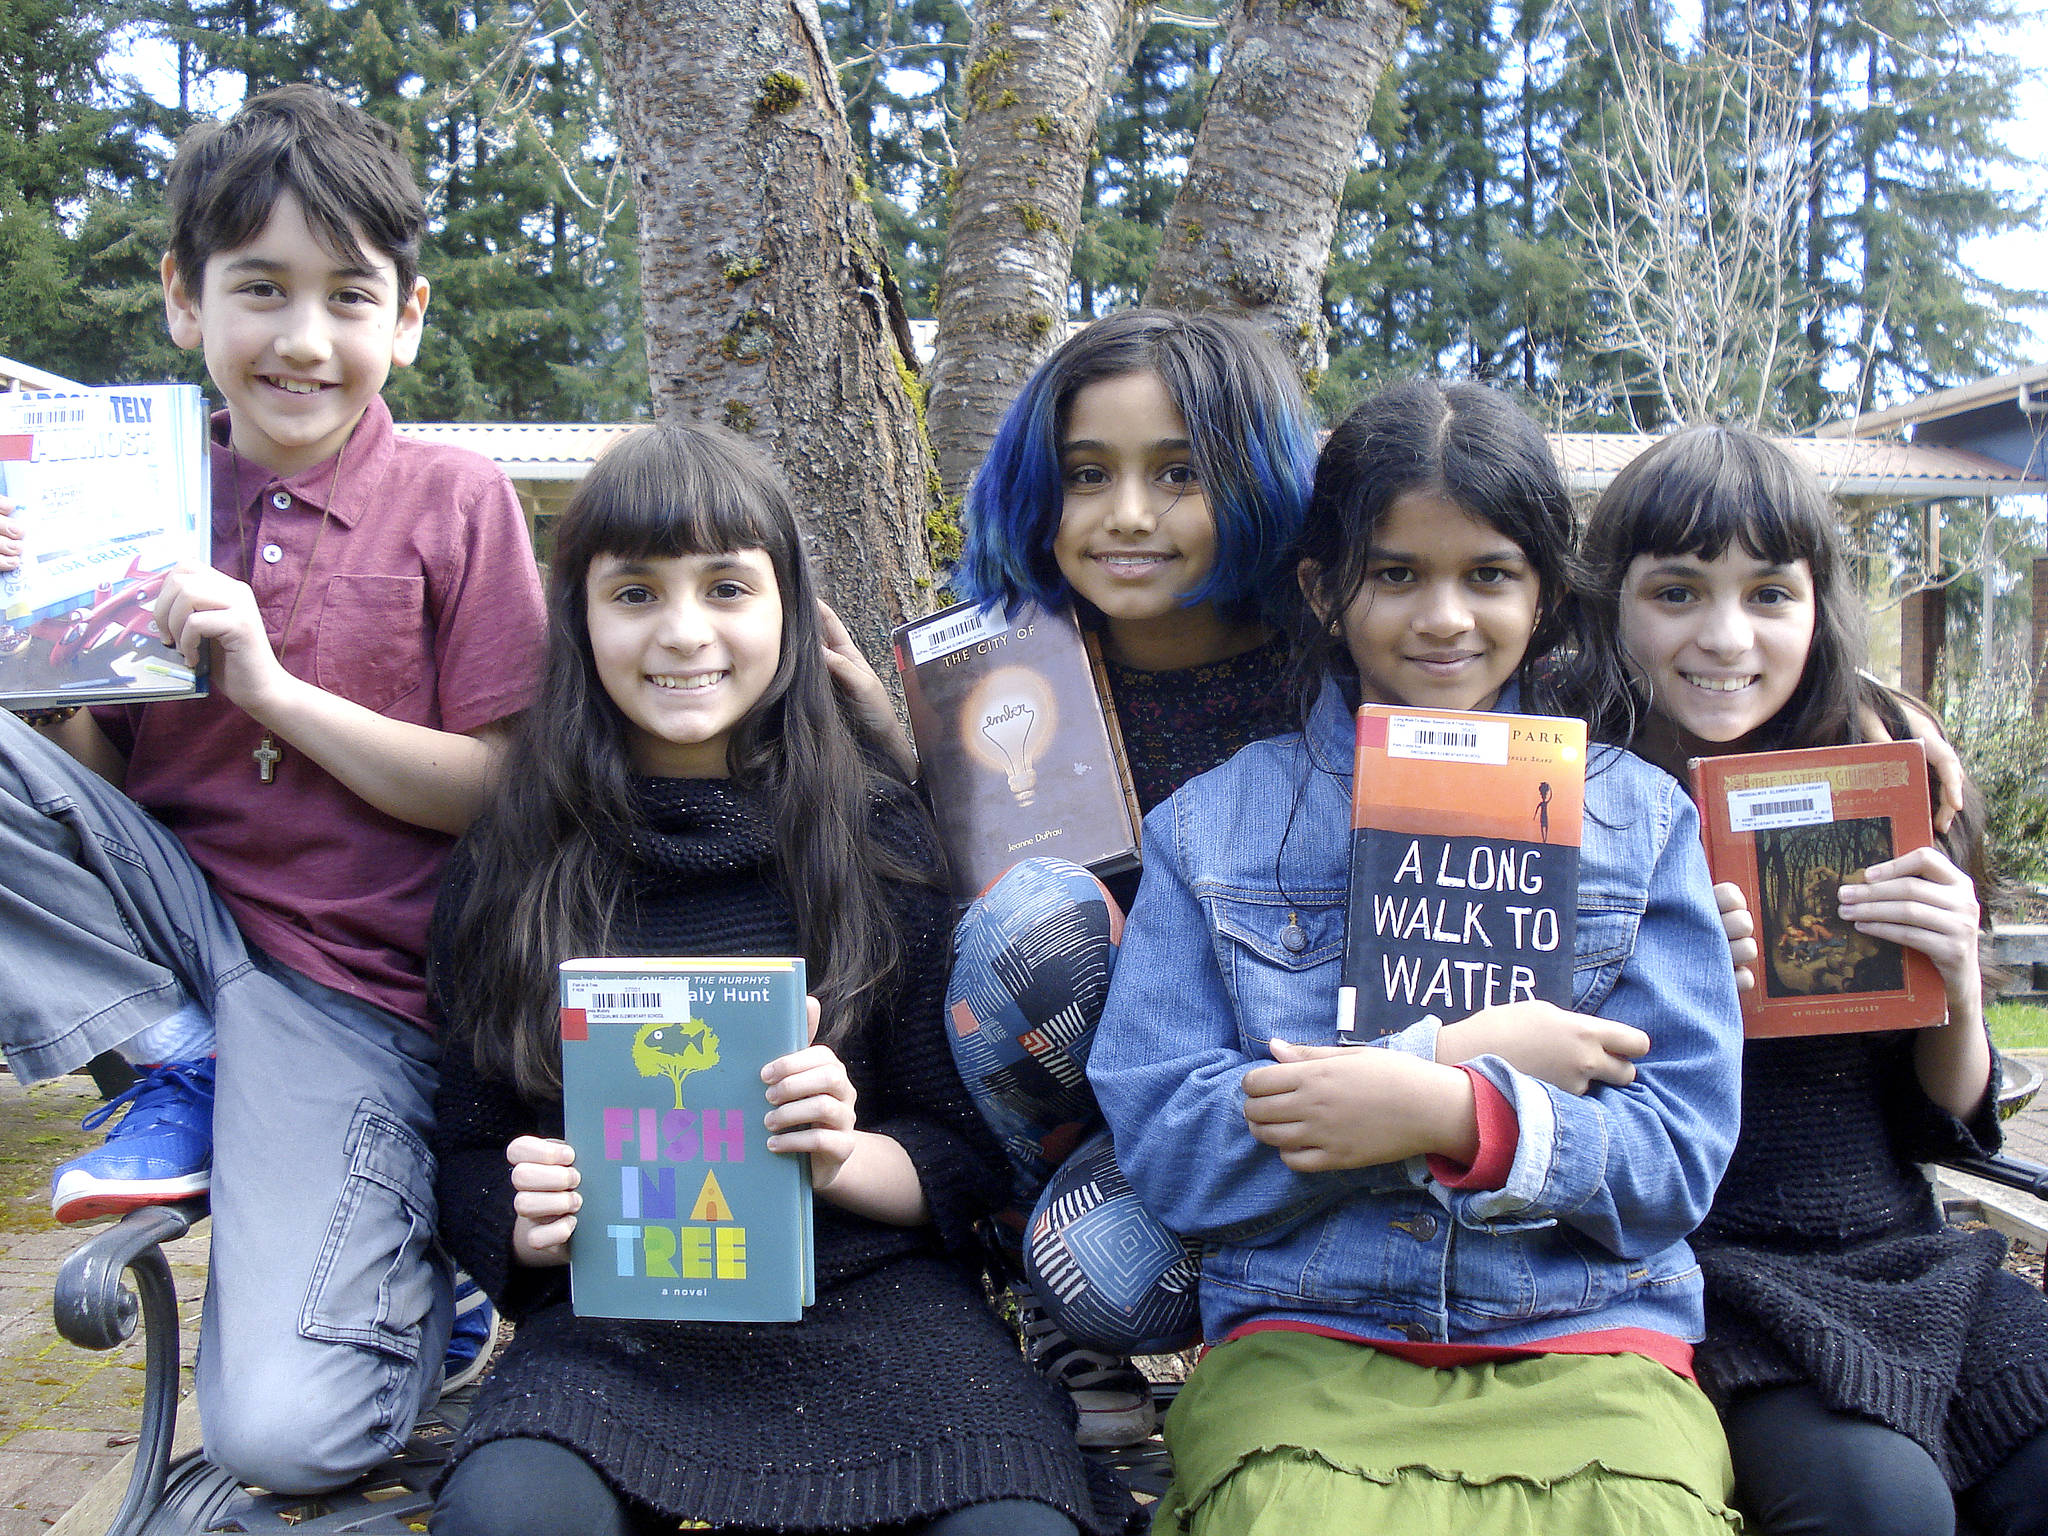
[[899, 1396], [1827, 1262]]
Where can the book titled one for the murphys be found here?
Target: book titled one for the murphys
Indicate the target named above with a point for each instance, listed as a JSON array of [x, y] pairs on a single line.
[[1790, 828], [686, 1213], [1464, 865], [110, 488], [1017, 742]]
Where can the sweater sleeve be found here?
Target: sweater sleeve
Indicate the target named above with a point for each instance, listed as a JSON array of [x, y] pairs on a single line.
[[920, 1102], [475, 1118]]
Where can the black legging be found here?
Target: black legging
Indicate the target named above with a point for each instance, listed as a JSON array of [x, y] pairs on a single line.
[[1803, 1470], [538, 1488]]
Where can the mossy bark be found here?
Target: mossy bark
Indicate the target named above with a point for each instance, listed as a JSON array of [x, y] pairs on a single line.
[[1251, 228], [768, 299], [1034, 86]]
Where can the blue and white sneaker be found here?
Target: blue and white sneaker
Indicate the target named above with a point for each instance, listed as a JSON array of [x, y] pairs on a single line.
[[476, 1330], [160, 1152]]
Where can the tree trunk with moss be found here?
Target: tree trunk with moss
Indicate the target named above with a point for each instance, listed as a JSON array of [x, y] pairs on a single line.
[[1034, 87], [768, 301], [1251, 228]]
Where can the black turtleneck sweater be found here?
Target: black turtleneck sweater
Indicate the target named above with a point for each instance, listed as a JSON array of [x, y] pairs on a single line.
[[1827, 1262], [899, 1396]]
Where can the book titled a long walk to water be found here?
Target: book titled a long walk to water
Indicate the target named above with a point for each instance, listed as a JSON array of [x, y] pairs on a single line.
[[686, 1213], [111, 489], [1464, 865]]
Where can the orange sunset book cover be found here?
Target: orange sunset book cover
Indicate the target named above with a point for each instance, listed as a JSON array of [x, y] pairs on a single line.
[[1464, 865]]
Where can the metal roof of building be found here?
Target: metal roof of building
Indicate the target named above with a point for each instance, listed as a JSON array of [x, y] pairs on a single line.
[[1883, 467], [2028, 386]]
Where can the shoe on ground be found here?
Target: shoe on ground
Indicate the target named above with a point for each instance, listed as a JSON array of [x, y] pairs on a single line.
[[469, 1345], [160, 1151], [1112, 1399]]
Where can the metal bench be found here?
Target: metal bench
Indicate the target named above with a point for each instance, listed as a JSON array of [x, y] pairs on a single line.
[[96, 1309]]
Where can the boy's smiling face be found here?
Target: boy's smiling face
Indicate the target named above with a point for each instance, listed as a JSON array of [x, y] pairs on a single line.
[[298, 338]]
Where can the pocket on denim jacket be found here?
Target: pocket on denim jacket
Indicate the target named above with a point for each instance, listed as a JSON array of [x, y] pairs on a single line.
[[1270, 953], [373, 1285], [1606, 938]]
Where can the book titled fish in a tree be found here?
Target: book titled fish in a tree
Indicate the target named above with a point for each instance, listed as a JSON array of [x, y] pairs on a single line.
[[111, 489], [1017, 742], [1791, 828], [1464, 866], [686, 1213]]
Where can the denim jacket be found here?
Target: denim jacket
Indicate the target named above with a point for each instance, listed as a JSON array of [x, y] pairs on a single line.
[[1588, 1232]]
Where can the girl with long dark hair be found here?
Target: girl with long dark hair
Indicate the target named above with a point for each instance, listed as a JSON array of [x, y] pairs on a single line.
[[1875, 1368], [690, 783]]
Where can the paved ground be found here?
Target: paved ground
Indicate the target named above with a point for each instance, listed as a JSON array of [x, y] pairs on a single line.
[[67, 1415]]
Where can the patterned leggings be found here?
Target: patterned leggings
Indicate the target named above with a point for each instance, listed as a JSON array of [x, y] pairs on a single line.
[[1031, 967]]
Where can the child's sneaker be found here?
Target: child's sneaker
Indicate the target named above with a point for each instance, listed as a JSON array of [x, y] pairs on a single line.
[[476, 1330], [160, 1152], [1112, 1399]]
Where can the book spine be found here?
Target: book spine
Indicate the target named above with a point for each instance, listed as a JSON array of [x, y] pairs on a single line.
[[1113, 726]]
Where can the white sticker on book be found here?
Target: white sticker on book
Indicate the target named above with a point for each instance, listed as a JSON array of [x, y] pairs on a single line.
[[1447, 741], [1780, 805], [950, 633], [639, 999]]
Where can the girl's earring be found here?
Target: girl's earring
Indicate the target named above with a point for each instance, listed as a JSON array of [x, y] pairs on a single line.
[[1336, 629]]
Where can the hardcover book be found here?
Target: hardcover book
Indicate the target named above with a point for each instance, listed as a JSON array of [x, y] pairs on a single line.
[[1464, 865], [1790, 828], [111, 488], [686, 1213], [1017, 741]]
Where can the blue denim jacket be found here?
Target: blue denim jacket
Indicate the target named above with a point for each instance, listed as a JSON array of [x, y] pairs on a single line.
[[1589, 1230]]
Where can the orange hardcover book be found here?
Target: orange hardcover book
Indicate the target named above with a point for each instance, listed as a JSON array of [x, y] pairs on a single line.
[[1790, 828], [1017, 742], [1464, 865]]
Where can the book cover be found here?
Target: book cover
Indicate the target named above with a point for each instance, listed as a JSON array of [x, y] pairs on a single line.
[[111, 488], [686, 1213], [1464, 865], [1790, 828], [1017, 741]]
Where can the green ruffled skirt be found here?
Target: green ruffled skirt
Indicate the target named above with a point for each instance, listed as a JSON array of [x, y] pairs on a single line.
[[1293, 1434]]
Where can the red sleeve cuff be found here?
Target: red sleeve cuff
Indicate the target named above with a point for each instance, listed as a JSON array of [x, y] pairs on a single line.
[[1499, 1134]]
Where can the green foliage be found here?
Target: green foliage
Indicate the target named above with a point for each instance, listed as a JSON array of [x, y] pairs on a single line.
[[2018, 1026], [2004, 745]]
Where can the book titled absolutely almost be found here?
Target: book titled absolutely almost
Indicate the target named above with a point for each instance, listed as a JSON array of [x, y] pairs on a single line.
[[686, 1213], [1790, 828], [1017, 741], [1464, 865], [111, 489]]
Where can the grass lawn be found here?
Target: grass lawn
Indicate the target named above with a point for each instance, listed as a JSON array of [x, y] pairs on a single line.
[[2019, 1026]]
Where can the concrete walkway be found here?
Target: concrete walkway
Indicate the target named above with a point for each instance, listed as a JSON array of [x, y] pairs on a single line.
[[68, 1416]]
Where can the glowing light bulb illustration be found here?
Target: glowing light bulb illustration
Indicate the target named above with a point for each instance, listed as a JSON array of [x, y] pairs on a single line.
[[1007, 723]]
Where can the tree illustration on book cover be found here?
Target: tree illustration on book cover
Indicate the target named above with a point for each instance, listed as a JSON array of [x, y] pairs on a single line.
[[674, 1051], [686, 1213]]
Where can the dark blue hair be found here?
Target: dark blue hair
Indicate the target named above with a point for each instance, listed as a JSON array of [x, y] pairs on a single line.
[[1254, 446]]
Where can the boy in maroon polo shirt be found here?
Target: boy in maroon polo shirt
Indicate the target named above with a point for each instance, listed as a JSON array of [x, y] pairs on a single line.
[[372, 620]]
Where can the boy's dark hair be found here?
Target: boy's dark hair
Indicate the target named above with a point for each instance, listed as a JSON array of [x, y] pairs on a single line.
[[348, 172]]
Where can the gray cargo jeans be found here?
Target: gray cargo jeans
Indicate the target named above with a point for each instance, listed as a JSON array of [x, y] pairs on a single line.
[[327, 1304]]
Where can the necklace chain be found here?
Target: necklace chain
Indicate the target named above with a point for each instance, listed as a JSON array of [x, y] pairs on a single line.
[[267, 753]]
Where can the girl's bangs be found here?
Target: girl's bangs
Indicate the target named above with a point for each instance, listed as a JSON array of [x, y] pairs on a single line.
[[1716, 491], [657, 495]]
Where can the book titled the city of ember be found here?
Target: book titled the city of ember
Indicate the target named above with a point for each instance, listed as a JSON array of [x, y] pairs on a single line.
[[1464, 865], [1017, 742], [686, 1213], [1791, 828]]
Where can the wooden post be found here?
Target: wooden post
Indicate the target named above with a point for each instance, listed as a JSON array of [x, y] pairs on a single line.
[[1923, 617], [2037, 649]]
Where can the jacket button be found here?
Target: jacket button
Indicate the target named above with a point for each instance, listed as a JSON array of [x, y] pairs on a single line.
[[1421, 1228], [1414, 1333]]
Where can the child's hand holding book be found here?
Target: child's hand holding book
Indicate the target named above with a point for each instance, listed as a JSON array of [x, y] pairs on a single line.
[[544, 1199], [1325, 1107], [1572, 1051]]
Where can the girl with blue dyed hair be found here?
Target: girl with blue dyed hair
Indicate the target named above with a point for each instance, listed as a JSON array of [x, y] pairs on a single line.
[[1152, 474]]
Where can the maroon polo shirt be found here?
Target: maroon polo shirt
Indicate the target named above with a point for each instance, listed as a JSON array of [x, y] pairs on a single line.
[[423, 604]]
